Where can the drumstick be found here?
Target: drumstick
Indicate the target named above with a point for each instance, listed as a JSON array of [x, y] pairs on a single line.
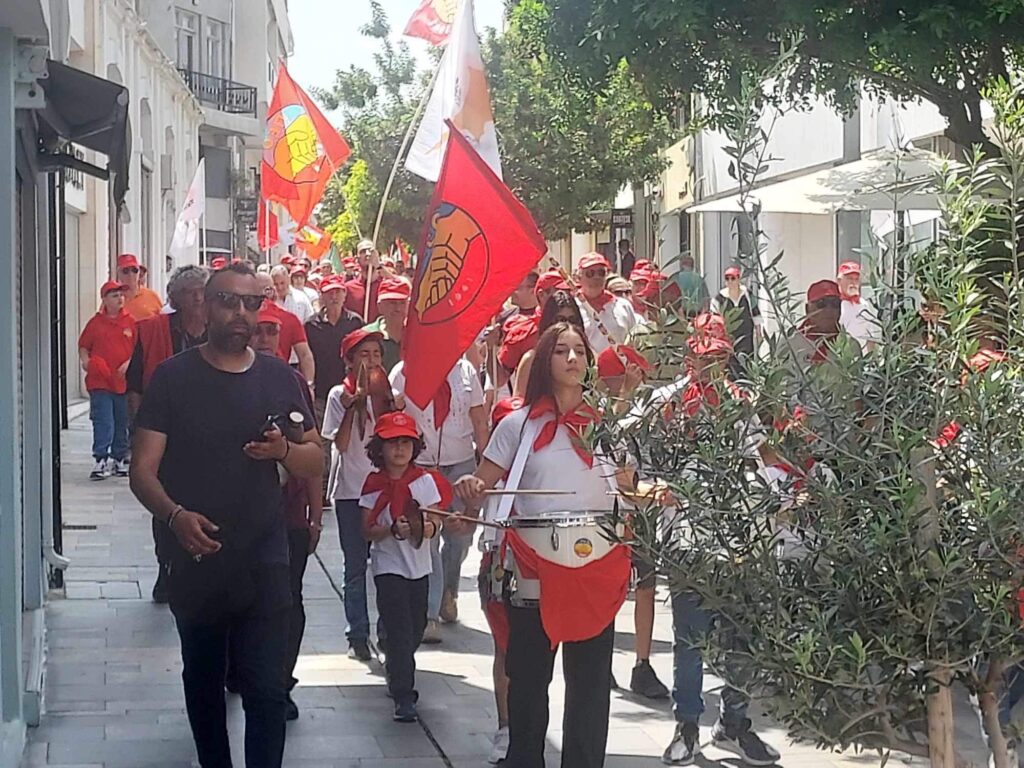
[[528, 492], [456, 516]]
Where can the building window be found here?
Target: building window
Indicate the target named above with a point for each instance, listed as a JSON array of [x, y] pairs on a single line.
[[186, 39], [216, 48]]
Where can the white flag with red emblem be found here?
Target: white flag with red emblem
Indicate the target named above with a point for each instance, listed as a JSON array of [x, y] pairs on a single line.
[[460, 95], [185, 242]]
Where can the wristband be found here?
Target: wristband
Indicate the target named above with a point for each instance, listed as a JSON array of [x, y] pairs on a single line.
[[287, 450], [174, 513]]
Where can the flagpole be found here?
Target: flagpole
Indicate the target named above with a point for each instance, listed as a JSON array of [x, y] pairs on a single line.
[[202, 237]]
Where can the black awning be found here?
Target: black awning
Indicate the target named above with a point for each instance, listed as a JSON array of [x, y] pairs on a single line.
[[91, 112]]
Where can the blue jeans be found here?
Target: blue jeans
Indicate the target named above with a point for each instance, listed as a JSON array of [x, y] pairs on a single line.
[[1013, 691], [690, 622], [109, 415], [447, 568], [356, 551]]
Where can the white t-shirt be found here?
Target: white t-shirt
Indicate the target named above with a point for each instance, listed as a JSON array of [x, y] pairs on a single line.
[[456, 439], [556, 466], [401, 558], [298, 304], [618, 317], [349, 469], [312, 295], [861, 321]]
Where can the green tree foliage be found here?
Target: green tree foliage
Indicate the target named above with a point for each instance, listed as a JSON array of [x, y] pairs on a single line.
[[567, 147], [945, 52]]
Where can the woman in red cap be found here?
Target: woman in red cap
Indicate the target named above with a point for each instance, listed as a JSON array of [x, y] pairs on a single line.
[[390, 503], [735, 303]]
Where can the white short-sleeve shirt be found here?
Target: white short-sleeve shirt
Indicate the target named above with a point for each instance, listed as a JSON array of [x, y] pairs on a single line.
[[396, 557], [556, 466], [298, 304], [453, 444], [860, 320], [350, 469], [618, 317]]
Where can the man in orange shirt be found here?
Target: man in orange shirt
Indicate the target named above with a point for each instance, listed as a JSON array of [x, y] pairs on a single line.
[[140, 301], [105, 349]]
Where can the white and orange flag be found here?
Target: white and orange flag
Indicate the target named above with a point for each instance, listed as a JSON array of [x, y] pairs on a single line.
[[432, 21], [460, 95]]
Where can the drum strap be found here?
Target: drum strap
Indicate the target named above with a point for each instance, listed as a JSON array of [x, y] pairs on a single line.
[[530, 431]]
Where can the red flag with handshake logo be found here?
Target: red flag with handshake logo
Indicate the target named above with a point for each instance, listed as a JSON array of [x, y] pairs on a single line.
[[478, 245], [432, 21]]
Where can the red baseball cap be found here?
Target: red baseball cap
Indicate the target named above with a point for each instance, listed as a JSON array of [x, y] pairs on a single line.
[[710, 335], [298, 269], [110, 286], [609, 362], [266, 315], [823, 289], [127, 260], [520, 337], [287, 259], [641, 264], [551, 280], [505, 407], [219, 263], [332, 283], [732, 272], [849, 268], [589, 260], [396, 424], [357, 337], [394, 290]]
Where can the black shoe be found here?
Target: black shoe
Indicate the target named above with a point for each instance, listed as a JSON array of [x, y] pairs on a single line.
[[406, 712], [742, 741], [160, 596], [685, 745], [359, 649], [644, 682], [291, 711], [615, 683]]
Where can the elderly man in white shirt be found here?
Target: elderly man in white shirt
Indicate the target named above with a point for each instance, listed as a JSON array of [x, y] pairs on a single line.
[[288, 297], [616, 314], [858, 316]]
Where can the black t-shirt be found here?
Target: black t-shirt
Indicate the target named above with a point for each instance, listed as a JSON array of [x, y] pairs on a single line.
[[208, 415], [742, 312], [325, 344]]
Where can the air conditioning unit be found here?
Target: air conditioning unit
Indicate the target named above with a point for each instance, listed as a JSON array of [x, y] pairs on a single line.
[[167, 180]]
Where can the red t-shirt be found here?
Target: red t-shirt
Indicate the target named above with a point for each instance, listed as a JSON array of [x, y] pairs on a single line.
[[110, 342], [292, 331], [355, 298]]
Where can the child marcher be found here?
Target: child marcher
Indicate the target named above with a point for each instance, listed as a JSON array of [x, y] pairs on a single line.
[[400, 567], [105, 349]]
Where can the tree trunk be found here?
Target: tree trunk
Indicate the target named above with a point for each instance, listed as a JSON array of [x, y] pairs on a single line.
[[941, 750]]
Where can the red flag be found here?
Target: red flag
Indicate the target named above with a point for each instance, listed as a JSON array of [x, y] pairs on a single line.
[[432, 21], [267, 232], [301, 150], [313, 241], [478, 245], [403, 254]]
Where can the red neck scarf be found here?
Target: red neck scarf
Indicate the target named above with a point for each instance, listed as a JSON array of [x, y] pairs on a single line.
[[442, 404], [575, 421], [854, 299], [601, 301], [393, 490], [797, 476]]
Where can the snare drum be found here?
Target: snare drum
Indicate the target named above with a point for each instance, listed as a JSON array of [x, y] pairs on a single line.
[[571, 539]]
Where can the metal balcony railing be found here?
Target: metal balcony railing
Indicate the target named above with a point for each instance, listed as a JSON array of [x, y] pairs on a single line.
[[225, 95]]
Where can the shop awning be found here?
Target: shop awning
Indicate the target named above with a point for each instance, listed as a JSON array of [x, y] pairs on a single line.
[[883, 180], [92, 113]]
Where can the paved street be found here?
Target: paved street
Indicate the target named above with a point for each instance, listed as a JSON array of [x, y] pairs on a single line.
[[113, 690]]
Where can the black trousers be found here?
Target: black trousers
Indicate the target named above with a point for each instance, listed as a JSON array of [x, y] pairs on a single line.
[[258, 643], [298, 556], [402, 605], [530, 664]]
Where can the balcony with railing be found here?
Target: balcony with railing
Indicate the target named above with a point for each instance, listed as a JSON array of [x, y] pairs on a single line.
[[225, 95]]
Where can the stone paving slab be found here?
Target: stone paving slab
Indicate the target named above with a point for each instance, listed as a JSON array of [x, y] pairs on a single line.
[[113, 676]]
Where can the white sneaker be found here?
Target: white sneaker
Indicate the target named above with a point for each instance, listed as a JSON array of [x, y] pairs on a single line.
[[99, 471], [499, 746], [121, 467]]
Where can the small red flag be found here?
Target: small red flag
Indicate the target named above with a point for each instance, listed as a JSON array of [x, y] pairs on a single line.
[[301, 151], [267, 231], [313, 241], [432, 21], [479, 243]]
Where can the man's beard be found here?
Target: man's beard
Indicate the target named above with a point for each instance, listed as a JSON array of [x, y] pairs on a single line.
[[229, 339]]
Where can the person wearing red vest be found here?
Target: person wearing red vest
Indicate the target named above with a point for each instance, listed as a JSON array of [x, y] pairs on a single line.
[[104, 348]]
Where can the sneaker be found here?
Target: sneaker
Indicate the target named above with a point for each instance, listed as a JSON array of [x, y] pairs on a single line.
[[499, 746], [121, 467], [291, 711], [99, 470], [360, 650], [406, 712], [644, 682], [685, 745], [432, 633], [449, 607], [742, 741]]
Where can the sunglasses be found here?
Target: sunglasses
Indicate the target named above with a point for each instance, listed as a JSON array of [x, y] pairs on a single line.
[[830, 303], [623, 292], [595, 272], [129, 270], [251, 302], [731, 279]]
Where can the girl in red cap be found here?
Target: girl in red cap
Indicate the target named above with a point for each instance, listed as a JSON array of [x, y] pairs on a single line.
[[401, 563]]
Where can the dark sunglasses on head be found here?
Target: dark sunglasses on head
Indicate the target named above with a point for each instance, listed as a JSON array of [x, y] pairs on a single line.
[[127, 270], [251, 302], [830, 302]]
